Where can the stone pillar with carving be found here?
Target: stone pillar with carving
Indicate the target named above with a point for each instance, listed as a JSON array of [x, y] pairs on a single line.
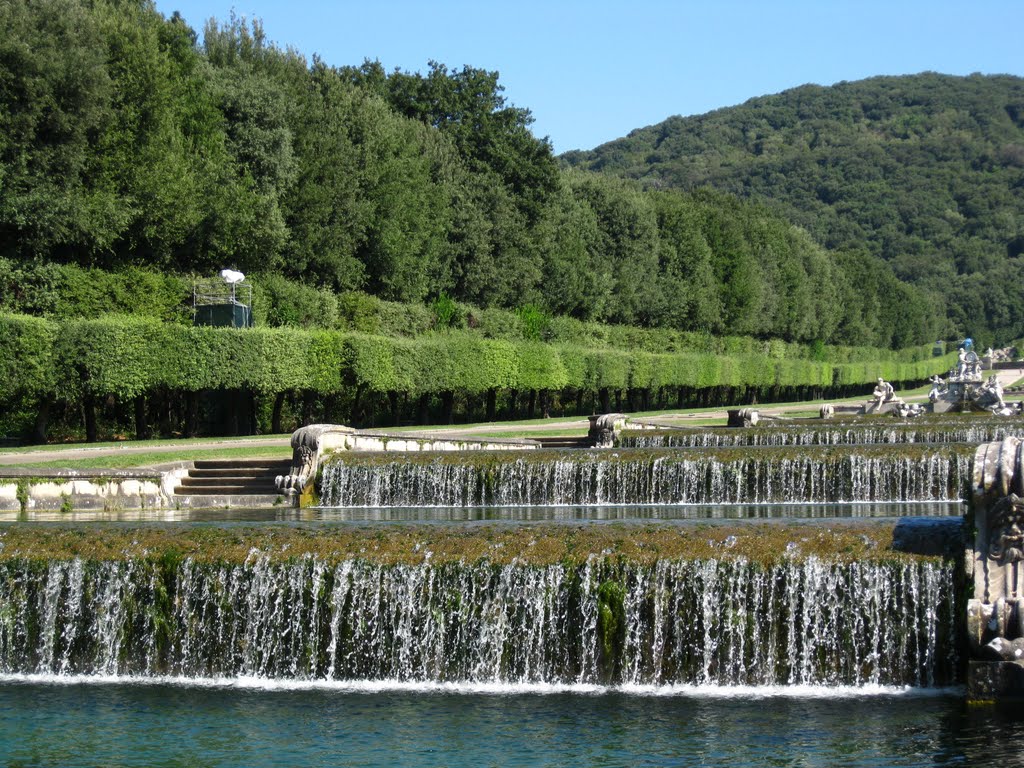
[[995, 611], [604, 427], [308, 445]]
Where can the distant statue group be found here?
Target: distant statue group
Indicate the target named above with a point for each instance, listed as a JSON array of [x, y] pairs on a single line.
[[964, 388], [990, 395], [968, 366]]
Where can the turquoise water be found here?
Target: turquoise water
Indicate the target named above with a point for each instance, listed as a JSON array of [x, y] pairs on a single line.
[[44, 722], [90, 721]]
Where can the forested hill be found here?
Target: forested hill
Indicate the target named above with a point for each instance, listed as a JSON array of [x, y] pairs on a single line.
[[924, 171], [127, 144]]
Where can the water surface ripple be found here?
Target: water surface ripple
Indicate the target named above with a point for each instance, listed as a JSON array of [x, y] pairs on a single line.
[[230, 724]]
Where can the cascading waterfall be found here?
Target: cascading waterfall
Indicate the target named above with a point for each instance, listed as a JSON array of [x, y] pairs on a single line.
[[647, 477], [844, 434], [713, 621]]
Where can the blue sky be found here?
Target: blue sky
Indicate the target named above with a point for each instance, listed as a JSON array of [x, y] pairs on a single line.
[[592, 71]]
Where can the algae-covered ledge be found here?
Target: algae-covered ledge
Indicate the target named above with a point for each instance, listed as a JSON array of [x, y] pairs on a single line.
[[532, 544], [67, 489]]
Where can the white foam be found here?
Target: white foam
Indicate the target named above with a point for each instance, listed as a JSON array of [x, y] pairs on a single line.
[[745, 692]]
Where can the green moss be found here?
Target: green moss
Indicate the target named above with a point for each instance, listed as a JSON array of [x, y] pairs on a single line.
[[161, 608], [944, 428], [528, 544], [611, 625]]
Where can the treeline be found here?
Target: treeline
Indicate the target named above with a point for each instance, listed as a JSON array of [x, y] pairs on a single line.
[[148, 376], [124, 143], [923, 171], [67, 292]]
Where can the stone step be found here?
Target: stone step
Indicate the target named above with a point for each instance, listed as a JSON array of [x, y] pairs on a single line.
[[261, 472], [252, 482], [565, 442], [274, 466], [224, 489], [238, 483]]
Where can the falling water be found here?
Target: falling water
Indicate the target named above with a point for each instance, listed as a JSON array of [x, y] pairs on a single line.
[[724, 621], [926, 473], [840, 434]]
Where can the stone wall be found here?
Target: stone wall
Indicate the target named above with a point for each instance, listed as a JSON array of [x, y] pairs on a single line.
[[29, 489]]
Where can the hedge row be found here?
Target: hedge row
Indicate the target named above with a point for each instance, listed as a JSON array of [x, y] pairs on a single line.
[[368, 314], [63, 292], [126, 356]]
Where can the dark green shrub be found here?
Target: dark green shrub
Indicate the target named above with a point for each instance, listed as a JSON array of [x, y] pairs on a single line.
[[534, 322], [447, 312], [278, 301]]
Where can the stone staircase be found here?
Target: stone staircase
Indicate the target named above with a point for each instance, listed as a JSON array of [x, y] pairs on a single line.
[[564, 442], [231, 483]]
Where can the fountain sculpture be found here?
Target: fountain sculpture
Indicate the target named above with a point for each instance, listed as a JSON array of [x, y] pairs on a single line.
[[995, 612], [966, 388]]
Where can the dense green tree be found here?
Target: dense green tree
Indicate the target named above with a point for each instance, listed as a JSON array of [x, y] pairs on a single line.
[[126, 146], [55, 105], [569, 237], [692, 298], [925, 172], [497, 262], [164, 150], [247, 79], [627, 249], [468, 106], [327, 211]]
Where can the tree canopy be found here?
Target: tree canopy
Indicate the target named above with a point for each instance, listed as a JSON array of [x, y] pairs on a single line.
[[925, 172], [126, 144]]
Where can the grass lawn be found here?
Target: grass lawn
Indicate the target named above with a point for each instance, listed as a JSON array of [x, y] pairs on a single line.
[[135, 444], [132, 460], [567, 420], [566, 431]]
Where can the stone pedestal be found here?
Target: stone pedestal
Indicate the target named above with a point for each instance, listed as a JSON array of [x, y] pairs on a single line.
[[885, 408], [959, 395], [946, 406]]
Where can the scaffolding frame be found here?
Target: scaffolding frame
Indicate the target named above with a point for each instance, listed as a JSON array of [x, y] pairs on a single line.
[[217, 292]]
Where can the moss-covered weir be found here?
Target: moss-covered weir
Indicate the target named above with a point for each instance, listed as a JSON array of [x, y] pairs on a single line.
[[606, 604], [736, 475], [504, 544]]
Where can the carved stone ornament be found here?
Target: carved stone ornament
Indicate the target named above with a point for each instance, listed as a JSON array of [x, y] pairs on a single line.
[[603, 428], [995, 613], [743, 417], [307, 446], [1006, 530]]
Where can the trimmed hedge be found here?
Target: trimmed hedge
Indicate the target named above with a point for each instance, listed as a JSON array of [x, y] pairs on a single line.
[[26, 355], [127, 355]]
